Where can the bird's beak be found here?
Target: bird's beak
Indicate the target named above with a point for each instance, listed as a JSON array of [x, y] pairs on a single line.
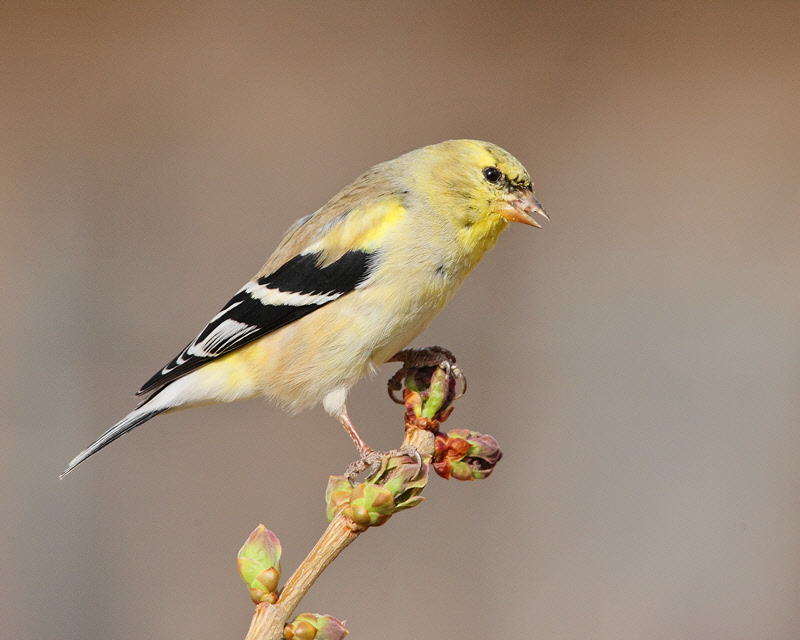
[[519, 205]]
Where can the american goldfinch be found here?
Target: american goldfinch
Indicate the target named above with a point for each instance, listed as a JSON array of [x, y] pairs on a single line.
[[348, 286]]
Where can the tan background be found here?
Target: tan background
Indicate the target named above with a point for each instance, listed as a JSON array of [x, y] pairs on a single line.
[[638, 359]]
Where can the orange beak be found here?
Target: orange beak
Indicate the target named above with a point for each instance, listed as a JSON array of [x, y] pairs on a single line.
[[519, 206]]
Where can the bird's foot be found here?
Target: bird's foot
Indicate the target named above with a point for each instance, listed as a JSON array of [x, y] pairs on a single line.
[[372, 460], [419, 358], [425, 357]]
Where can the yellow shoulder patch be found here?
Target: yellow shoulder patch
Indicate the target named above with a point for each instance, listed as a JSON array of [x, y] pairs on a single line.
[[363, 229]]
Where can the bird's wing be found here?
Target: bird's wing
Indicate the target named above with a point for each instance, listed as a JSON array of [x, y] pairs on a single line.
[[265, 304], [320, 259]]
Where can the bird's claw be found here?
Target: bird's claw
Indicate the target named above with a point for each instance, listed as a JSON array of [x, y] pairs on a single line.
[[372, 460], [427, 357]]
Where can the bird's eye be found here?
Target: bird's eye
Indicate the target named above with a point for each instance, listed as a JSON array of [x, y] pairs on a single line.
[[492, 174]]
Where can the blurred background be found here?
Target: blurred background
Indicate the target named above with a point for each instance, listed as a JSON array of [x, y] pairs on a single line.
[[638, 359]]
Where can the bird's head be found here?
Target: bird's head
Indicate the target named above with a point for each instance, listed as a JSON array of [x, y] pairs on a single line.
[[476, 186]]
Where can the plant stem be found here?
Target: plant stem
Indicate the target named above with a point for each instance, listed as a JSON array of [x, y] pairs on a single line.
[[269, 619]]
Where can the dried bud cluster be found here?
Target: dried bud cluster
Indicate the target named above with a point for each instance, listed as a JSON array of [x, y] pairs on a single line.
[[465, 455]]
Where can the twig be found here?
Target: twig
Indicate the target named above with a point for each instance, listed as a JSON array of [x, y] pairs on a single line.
[[269, 619]]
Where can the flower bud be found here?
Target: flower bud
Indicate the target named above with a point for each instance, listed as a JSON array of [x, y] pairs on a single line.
[[395, 486], [405, 478], [259, 565], [337, 495], [367, 504], [465, 455], [429, 394], [370, 505], [313, 626]]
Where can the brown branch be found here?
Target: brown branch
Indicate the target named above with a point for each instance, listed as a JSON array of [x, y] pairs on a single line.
[[269, 619]]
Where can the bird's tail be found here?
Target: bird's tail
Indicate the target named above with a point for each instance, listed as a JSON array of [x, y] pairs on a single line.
[[131, 421]]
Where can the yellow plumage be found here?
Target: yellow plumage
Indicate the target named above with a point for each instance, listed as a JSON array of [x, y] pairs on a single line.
[[349, 286]]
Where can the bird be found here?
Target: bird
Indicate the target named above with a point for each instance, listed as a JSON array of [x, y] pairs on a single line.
[[348, 286]]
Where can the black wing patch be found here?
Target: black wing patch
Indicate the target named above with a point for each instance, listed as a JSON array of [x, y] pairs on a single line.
[[297, 288]]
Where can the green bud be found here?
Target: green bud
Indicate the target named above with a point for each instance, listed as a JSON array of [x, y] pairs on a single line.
[[259, 565], [429, 393], [299, 630], [337, 495], [437, 394], [395, 486], [370, 505], [313, 626], [367, 504]]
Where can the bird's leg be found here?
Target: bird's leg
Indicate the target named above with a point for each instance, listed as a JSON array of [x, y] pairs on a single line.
[[369, 458], [412, 359], [364, 449]]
